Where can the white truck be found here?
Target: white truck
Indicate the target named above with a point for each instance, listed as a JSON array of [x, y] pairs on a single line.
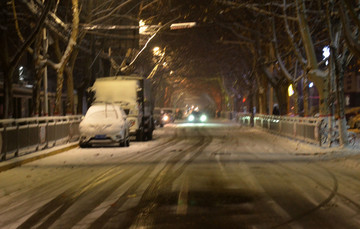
[[133, 94]]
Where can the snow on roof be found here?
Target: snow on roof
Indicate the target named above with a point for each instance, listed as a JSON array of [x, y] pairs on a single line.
[[115, 90]]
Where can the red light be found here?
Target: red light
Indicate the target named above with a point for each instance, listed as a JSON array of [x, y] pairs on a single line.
[[244, 99], [132, 122]]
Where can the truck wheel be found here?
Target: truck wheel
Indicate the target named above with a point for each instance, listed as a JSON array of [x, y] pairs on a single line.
[[122, 143], [150, 135], [83, 145], [140, 135], [357, 125]]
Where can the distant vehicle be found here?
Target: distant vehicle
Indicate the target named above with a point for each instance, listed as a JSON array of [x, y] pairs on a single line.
[[163, 116], [157, 115], [133, 94], [104, 124], [166, 118], [197, 116]]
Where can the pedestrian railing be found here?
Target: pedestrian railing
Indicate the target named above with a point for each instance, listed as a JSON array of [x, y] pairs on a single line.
[[306, 129], [244, 119], [25, 135]]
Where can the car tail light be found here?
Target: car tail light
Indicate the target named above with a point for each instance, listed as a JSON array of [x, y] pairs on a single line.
[[132, 122]]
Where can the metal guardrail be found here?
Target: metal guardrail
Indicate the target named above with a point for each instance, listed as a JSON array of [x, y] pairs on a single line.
[[244, 119], [306, 129], [25, 135]]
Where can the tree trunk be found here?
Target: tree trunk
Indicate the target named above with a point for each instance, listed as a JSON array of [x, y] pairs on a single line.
[[65, 58], [70, 91], [282, 96], [70, 82], [263, 86], [10, 65], [38, 75], [8, 93], [305, 97], [296, 99], [319, 77], [59, 87]]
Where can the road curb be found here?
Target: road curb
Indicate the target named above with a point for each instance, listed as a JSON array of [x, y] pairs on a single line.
[[15, 162]]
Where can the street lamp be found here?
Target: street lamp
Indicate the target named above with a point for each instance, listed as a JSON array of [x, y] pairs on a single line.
[[157, 51], [290, 90], [184, 25], [326, 54]]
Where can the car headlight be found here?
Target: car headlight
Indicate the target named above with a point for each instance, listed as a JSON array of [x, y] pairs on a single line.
[[191, 118], [165, 118], [203, 118]]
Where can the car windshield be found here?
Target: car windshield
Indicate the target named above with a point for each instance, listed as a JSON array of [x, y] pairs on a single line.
[[100, 112], [168, 111], [196, 113]]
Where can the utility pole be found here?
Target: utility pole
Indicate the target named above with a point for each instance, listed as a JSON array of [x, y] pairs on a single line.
[[45, 50]]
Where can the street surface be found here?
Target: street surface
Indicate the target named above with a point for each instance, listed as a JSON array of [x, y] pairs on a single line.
[[217, 175]]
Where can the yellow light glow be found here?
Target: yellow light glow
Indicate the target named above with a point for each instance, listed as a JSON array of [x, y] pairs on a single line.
[[141, 23], [142, 27], [290, 90], [157, 51]]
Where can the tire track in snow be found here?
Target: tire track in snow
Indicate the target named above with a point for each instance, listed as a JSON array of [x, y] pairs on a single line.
[[55, 208], [265, 204], [107, 216], [347, 203], [275, 164], [331, 194], [162, 184]]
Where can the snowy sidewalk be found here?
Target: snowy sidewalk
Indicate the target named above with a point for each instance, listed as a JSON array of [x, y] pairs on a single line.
[[18, 161]]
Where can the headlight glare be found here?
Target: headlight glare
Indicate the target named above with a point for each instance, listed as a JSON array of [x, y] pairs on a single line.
[[203, 118], [191, 118], [166, 118]]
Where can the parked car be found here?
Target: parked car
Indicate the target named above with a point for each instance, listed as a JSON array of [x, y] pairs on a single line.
[[197, 116], [104, 123]]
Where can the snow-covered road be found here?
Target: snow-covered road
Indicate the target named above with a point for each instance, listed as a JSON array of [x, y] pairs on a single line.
[[217, 175]]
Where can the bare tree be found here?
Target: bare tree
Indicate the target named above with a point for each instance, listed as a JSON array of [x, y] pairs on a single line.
[[9, 63]]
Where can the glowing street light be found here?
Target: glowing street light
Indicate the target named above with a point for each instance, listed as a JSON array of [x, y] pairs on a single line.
[[184, 25], [290, 90], [326, 53], [142, 27], [157, 51]]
